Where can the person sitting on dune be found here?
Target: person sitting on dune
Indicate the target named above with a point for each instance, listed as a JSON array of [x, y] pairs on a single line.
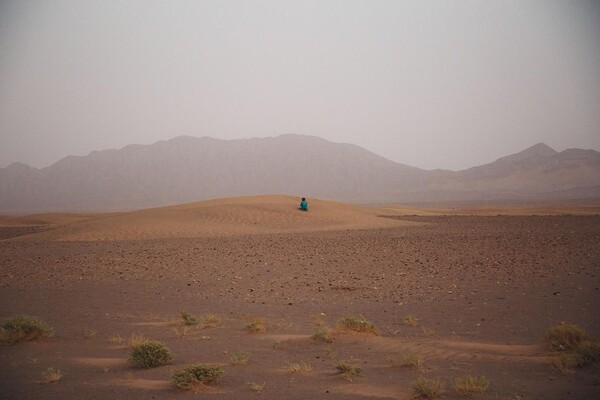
[[304, 204]]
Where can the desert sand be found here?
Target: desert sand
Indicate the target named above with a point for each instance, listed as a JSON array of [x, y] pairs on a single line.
[[484, 284]]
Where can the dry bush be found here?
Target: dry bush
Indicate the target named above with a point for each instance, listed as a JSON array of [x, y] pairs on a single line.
[[195, 376], [588, 352], [116, 339], [410, 361], [565, 337], [51, 375], [136, 339], [297, 367], [22, 328], [240, 358], [188, 319], [323, 334], [468, 385], [428, 388], [256, 324], [211, 320], [411, 320], [256, 386], [566, 363], [357, 324], [150, 354], [348, 370]]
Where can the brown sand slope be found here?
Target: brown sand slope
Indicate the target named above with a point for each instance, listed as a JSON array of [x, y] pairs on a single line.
[[222, 217]]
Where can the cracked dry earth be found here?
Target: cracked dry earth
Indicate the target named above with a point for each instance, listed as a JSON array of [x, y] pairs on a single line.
[[484, 291]]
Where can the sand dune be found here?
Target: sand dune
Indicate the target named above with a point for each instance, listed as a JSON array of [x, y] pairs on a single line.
[[222, 217]]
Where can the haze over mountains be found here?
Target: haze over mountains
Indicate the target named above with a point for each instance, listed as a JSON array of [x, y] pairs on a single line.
[[187, 169]]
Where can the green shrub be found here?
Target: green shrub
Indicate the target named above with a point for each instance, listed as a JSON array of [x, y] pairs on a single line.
[[150, 354], [565, 337], [22, 328], [196, 375], [428, 388]]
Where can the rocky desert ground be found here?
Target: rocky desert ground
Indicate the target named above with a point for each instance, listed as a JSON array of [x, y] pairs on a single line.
[[463, 290]]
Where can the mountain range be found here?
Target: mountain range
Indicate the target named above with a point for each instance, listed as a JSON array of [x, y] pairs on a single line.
[[187, 169]]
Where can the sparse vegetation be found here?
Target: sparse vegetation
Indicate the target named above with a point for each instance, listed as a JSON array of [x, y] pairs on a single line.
[[211, 320], [577, 347], [116, 339], [348, 370], [188, 319], [468, 385], [277, 345], [136, 339], [22, 328], [409, 361], [589, 352], [240, 358], [195, 376], [51, 375], [256, 325], [565, 363], [89, 334], [411, 320], [428, 388], [150, 354], [357, 324], [256, 387], [565, 337], [297, 367], [323, 334]]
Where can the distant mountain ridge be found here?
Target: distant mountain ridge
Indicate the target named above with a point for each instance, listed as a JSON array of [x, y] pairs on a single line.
[[187, 169]]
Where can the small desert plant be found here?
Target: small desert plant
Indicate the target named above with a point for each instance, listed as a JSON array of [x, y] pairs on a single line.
[[136, 339], [357, 324], [256, 324], [297, 367], [565, 337], [150, 354], [428, 388], [196, 375], [256, 387], [211, 320], [318, 319], [22, 328], [277, 345], [588, 352], [411, 320], [323, 334], [240, 358], [566, 363], [188, 319], [348, 370], [89, 334], [116, 339], [470, 385], [51, 375], [409, 361]]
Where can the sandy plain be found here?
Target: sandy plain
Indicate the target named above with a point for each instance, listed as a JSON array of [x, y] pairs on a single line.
[[485, 284]]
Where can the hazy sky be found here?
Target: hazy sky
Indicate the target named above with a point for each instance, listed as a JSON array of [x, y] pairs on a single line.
[[433, 84]]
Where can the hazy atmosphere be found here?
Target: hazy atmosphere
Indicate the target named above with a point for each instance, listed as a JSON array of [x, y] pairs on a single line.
[[432, 84]]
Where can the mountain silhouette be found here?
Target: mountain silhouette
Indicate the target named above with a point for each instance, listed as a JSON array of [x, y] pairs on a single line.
[[187, 169]]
